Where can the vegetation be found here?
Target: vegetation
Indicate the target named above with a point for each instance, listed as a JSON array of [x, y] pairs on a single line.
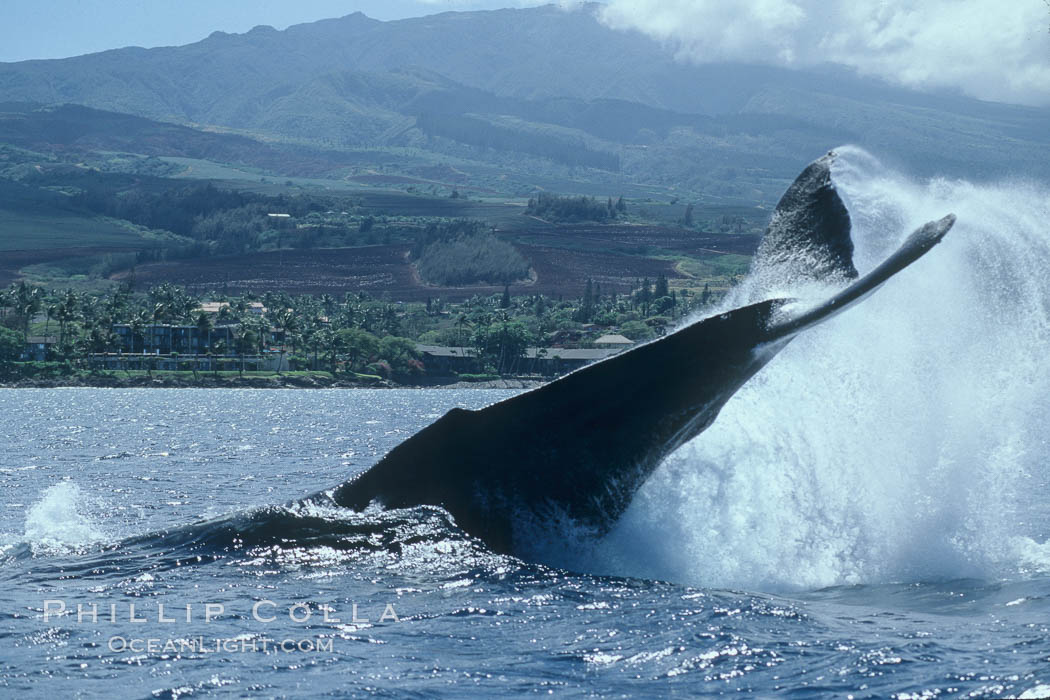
[[485, 134], [12, 343], [353, 337], [555, 208], [215, 220], [464, 252], [100, 219], [224, 238], [625, 111]]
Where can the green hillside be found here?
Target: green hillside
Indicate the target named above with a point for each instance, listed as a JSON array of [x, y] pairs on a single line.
[[366, 133], [20, 230], [539, 91]]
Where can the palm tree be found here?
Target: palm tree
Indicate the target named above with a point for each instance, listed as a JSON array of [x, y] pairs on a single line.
[[52, 311], [313, 337], [462, 323], [326, 340], [68, 311], [159, 313], [244, 339], [136, 325], [90, 306], [262, 331], [217, 350], [101, 338], [204, 328], [309, 332], [117, 303], [28, 300], [328, 303], [288, 322], [225, 314], [504, 318]]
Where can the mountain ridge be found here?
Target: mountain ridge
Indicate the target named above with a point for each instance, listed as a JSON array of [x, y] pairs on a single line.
[[540, 81]]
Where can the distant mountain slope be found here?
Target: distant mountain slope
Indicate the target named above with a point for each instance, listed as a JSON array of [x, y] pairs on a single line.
[[73, 126], [546, 82], [72, 129]]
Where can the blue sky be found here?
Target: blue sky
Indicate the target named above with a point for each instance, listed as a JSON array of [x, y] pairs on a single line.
[[60, 28]]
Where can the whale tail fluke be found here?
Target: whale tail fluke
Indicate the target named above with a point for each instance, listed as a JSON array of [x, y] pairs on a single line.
[[582, 445], [808, 237], [913, 248]]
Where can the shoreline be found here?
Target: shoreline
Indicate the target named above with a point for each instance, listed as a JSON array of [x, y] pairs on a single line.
[[272, 382]]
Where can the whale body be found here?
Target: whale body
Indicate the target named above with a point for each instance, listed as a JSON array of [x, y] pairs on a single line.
[[580, 447]]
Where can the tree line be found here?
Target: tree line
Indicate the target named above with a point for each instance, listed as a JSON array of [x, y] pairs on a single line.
[[463, 252], [349, 334], [558, 208]]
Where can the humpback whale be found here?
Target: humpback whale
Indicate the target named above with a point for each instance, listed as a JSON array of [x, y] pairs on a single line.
[[580, 447]]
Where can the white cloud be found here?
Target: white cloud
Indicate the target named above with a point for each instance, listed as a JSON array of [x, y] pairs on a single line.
[[466, 5], [989, 49]]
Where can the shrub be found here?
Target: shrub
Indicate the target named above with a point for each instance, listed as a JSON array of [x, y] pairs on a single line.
[[478, 377]]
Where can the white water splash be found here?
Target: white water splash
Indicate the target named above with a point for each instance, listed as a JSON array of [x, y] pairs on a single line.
[[903, 440], [58, 521]]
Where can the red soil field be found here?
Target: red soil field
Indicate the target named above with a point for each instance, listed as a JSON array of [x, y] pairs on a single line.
[[562, 260], [637, 239], [384, 271]]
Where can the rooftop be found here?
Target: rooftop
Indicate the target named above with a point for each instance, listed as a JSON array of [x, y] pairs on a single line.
[[614, 339], [214, 307]]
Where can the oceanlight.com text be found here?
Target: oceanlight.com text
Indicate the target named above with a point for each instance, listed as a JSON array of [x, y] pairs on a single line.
[[216, 645]]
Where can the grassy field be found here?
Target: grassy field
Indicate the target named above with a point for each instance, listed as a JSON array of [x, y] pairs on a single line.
[[716, 266], [66, 248], [38, 231], [716, 272]]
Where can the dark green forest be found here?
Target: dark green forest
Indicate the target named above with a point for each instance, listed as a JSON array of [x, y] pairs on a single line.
[[561, 209]]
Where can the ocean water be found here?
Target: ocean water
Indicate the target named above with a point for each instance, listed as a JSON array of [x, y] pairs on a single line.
[[868, 518]]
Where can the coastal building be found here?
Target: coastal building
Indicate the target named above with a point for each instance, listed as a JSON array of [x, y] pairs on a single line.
[[38, 347], [557, 361], [614, 340], [266, 362], [166, 339], [447, 361], [214, 307]]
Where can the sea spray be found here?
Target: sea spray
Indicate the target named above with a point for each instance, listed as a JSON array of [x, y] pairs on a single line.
[[58, 521], [902, 440]]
